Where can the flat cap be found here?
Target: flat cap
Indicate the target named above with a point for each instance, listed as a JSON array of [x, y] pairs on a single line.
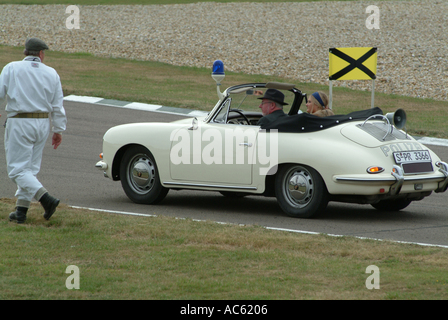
[[35, 44]]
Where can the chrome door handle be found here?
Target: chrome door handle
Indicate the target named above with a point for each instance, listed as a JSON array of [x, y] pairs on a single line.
[[246, 144]]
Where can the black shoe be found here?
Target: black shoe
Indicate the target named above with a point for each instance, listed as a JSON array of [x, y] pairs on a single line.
[[49, 203], [19, 215]]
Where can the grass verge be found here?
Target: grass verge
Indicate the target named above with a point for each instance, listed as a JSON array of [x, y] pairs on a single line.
[[125, 257]]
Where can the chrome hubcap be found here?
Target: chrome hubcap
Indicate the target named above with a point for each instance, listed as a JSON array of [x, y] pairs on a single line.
[[299, 187], [141, 174]]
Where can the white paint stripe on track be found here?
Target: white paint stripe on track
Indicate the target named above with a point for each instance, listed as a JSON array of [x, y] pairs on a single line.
[[270, 228], [134, 105], [116, 212], [433, 141], [82, 99], [142, 106], [358, 237]]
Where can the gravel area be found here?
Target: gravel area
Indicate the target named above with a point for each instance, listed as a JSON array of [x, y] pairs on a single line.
[[287, 39]]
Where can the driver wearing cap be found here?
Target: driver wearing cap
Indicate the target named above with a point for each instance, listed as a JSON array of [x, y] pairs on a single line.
[[271, 106]]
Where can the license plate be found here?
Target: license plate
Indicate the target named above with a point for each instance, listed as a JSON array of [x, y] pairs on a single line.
[[412, 156]]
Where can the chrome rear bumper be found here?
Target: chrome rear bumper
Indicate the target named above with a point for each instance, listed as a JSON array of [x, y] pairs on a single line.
[[397, 179], [443, 167]]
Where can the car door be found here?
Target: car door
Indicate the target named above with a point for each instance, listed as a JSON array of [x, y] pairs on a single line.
[[214, 153]]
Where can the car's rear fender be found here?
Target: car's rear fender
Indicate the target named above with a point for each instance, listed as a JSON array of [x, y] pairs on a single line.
[[337, 158]]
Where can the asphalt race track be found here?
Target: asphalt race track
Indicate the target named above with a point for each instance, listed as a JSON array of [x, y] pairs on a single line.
[[69, 173]]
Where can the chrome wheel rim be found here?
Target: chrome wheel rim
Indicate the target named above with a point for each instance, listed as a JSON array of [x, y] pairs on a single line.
[[298, 187], [141, 174]]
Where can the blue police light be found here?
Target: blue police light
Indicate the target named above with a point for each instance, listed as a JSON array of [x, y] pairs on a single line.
[[218, 75], [218, 67]]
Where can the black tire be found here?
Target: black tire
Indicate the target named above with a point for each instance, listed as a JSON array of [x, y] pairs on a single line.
[[300, 191], [140, 177], [392, 205]]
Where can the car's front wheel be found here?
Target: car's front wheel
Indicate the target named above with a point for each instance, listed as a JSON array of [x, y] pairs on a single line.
[[140, 177], [300, 191]]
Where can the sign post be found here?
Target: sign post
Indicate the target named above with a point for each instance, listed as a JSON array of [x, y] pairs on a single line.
[[352, 64]]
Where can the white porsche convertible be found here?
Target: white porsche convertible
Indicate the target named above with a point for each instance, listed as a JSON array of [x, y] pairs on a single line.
[[302, 160]]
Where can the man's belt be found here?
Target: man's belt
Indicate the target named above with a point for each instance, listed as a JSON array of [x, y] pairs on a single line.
[[33, 115]]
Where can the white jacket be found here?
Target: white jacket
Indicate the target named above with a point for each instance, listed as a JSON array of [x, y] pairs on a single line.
[[31, 86]]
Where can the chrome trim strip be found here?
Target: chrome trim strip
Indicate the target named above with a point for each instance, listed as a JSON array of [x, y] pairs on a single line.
[[202, 185], [406, 179]]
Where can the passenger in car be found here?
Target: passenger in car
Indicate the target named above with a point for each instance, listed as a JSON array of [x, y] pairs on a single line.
[[317, 105], [271, 106]]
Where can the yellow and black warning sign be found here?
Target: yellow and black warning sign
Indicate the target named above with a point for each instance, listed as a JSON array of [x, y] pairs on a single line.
[[353, 63]]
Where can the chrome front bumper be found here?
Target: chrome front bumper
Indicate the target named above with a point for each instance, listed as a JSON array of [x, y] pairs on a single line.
[[102, 166]]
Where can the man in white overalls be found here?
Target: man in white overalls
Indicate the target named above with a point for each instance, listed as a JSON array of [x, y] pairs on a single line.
[[34, 94]]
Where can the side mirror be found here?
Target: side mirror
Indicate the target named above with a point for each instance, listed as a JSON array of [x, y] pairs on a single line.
[[194, 124]]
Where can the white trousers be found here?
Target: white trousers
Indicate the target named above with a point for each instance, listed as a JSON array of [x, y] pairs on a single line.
[[24, 144]]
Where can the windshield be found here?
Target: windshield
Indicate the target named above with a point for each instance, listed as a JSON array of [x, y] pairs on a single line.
[[247, 99]]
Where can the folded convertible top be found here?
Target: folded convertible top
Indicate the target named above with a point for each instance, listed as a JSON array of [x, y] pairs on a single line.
[[305, 122]]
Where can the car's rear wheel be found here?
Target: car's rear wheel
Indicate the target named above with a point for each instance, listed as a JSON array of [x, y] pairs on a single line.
[[391, 205], [140, 177], [300, 191]]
